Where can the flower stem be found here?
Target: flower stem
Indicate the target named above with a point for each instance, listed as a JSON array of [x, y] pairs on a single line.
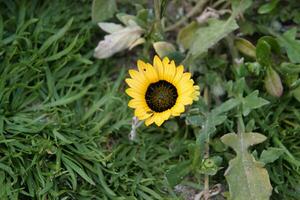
[[206, 177], [240, 124], [157, 12]]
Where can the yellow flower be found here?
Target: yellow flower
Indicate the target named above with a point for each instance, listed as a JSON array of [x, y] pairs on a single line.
[[160, 91]]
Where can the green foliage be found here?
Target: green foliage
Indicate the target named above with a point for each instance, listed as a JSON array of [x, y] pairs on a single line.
[[246, 177], [103, 10], [292, 46], [268, 7], [64, 120], [270, 155], [206, 37]]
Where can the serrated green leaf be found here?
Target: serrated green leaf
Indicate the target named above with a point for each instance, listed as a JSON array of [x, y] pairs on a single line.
[[245, 176], [252, 101], [291, 45], [226, 106]]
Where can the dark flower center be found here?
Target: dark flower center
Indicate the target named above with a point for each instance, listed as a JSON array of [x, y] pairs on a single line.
[[161, 96]]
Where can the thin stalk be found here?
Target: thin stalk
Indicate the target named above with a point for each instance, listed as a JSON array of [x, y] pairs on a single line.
[[206, 193], [157, 8], [198, 8], [240, 124], [157, 12]]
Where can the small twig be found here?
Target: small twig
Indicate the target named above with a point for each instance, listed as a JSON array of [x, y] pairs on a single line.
[[211, 13], [135, 124], [214, 191], [198, 8]]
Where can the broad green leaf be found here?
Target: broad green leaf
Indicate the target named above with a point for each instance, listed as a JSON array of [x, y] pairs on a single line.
[[246, 47], [206, 37], [291, 45], [186, 35], [226, 106], [240, 6], [296, 93], [125, 18], [252, 101], [273, 83], [263, 53], [268, 7], [163, 48], [270, 155], [103, 10], [272, 42], [177, 172], [208, 124], [245, 176]]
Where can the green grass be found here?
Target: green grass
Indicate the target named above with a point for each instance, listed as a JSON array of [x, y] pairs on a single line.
[[64, 120]]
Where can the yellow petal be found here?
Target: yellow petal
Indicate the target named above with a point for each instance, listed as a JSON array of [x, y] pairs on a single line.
[[165, 63], [143, 117], [151, 73], [134, 93], [157, 64], [138, 76], [189, 89], [136, 84], [150, 120], [178, 75], [185, 100], [141, 65], [135, 103], [186, 75], [196, 87], [141, 113], [166, 114], [159, 119], [177, 109], [170, 71], [184, 83]]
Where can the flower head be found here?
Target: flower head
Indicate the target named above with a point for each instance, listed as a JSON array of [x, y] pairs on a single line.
[[160, 91]]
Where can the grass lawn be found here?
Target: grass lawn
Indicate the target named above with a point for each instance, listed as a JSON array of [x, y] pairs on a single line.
[[65, 123]]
